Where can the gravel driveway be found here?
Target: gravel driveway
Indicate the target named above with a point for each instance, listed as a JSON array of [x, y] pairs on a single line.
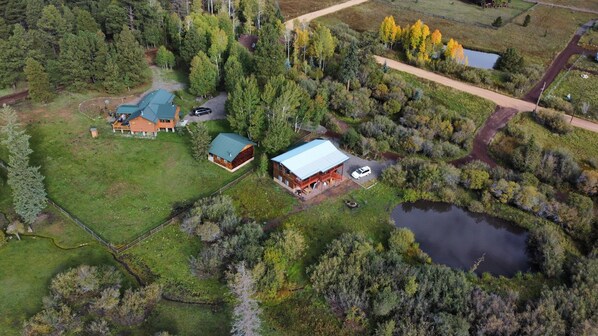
[[216, 104]]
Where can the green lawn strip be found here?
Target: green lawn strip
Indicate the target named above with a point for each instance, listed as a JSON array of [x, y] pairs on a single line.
[[260, 198], [590, 39], [582, 144], [548, 33], [27, 268], [165, 258], [464, 104], [186, 319], [584, 62]]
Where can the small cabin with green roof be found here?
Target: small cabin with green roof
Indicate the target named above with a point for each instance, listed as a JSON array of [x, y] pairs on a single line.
[[231, 151], [155, 112]]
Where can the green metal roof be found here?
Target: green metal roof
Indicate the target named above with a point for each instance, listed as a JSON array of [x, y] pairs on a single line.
[[228, 145], [153, 106]]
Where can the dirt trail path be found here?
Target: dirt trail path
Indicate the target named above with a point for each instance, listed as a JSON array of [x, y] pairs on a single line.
[[497, 98], [560, 62], [314, 15], [573, 8]]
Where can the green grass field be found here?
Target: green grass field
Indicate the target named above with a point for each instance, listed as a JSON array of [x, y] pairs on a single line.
[[588, 4], [581, 90], [582, 62], [582, 144], [119, 186], [548, 33], [261, 199], [462, 11]]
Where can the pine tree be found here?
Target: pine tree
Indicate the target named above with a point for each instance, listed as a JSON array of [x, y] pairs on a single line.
[[193, 42], [200, 141], [233, 72], [33, 11], [246, 314], [350, 64], [74, 61], [53, 26], [269, 52], [85, 22], [14, 12], [130, 58], [39, 84], [12, 56], [4, 30], [26, 182], [527, 20], [113, 80], [243, 103], [203, 76], [115, 18]]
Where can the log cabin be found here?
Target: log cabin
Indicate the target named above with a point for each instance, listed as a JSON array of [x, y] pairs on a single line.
[[314, 165], [155, 112], [231, 151]]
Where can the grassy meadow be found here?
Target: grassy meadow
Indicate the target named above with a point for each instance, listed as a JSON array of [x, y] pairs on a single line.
[[588, 4], [581, 89], [118, 185], [292, 8], [548, 33]]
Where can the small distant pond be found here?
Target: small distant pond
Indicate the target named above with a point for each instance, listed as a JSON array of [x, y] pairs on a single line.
[[480, 59], [458, 238]]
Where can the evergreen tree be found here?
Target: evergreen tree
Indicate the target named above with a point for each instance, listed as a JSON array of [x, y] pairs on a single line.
[[173, 27], [233, 73], [26, 182], [115, 17], [39, 84], [4, 30], [69, 19], [350, 64], [12, 56], [269, 52], [73, 61], [85, 22], [200, 141], [243, 103], [281, 98], [527, 21], [53, 26], [130, 58], [113, 82], [33, 11], [194, 42], [203, 76], [14, 11], [246, 314]]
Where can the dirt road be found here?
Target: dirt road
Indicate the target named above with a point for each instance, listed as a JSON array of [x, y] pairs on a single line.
[[497, 98], [560, 62], [313, 15]]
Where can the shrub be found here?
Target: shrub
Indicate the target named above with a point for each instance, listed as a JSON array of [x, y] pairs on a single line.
[[351, 139], [401, 240], [553, 120], [471, 76], [498, 22], [588, 182], [510, 61], [558, 103], [546, 250], [208, 232], [394, 176]]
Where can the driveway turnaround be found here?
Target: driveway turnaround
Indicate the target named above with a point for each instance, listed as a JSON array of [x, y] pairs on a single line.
[[217, 105]]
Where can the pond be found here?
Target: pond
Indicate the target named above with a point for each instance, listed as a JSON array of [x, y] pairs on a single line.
[[480, 59], [458, 238]]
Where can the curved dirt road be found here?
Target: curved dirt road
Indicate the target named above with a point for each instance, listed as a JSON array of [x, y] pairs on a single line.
[[313, 15], [497, 98]]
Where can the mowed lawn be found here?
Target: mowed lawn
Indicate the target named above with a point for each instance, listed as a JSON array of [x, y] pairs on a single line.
[[548, 33], [119, 186], [582, 144], [582, 90]]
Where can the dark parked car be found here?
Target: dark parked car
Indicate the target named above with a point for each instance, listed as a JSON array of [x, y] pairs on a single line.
[[199, 111]]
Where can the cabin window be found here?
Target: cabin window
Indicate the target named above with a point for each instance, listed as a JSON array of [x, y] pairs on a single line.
[[164, 120]]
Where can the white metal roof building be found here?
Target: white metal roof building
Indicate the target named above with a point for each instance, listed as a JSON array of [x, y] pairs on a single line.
[[311, 158]]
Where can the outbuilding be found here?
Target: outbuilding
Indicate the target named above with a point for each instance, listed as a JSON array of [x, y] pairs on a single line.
[[310, 167], [231, 151]]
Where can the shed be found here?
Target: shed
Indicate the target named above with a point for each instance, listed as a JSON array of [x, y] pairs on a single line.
[[231, 151]]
